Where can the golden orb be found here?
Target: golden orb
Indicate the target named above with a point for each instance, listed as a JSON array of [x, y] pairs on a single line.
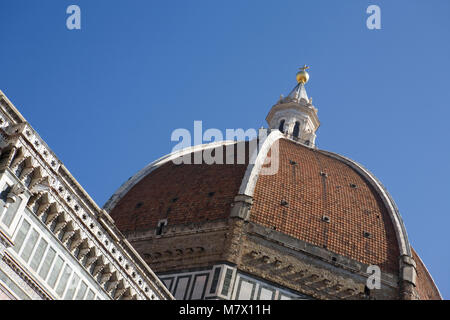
[[302, 76]]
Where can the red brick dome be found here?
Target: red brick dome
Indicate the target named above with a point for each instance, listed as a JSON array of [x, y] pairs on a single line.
[[315, 196]]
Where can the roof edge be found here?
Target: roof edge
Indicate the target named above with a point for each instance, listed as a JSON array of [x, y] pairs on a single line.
[[428, 273]]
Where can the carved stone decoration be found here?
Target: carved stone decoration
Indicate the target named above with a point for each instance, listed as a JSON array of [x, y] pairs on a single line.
[[18, 155], [60, 224], [105, 275], [14, 194], [112, 282], [99, 265], [42, 208], [120, 290], [52, 215], [76, 240], [84, 250], [91, 258], [128, 294]]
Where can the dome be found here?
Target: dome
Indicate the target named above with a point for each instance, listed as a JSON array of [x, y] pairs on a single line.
[[318, 197], [310, 186]]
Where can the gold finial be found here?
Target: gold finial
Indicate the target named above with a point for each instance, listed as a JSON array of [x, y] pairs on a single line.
[[302, 75]]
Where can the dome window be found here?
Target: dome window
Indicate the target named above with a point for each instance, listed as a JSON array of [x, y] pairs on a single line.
[[367, 235], [326, 219], [281, 127], [296, 129], [138, 205], [160, 228]]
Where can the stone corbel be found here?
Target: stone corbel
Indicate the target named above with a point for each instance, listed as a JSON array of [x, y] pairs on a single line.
[[113, 282], [347, 293], [84, 250], [35, 197], [312, 279], [120, 290], [52, 215], [60, 224], [91, 258], [41, 184], [99, 265], [76, 240], [17, 160], [324, 284], [26, 171], [14, 194], [42, 208], [106, 275], [69, 231], [128, 294], [277, 263]]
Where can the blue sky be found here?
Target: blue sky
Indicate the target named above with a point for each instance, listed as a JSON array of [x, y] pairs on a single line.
[[106, 98]]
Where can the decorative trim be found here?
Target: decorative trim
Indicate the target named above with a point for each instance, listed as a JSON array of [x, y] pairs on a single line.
[[253, 169], [26, 277], [330, 258], [5, 240]]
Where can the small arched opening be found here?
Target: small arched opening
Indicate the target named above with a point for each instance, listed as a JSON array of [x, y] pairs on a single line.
[[296, 131], [281, 127]]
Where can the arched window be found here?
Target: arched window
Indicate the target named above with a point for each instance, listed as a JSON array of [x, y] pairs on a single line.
[[281, 128], [296, 129]]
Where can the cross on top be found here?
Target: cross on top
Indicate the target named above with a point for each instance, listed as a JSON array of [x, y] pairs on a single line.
[[304, 67]]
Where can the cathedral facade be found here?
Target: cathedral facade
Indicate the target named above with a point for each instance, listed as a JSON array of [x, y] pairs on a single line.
[[277, 218], [55, 242]]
